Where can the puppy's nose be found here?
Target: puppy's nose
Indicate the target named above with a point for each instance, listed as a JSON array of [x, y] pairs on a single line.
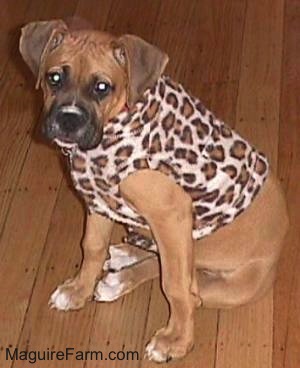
[[71, 118]]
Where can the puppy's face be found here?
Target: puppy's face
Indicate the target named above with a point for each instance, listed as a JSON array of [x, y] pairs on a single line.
[[87, 77], [84, 86]]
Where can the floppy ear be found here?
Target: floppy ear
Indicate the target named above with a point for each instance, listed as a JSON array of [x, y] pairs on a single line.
[[144, 64], [37, 40]]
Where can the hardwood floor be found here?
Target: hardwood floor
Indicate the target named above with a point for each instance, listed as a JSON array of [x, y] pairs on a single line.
[[242, 58]]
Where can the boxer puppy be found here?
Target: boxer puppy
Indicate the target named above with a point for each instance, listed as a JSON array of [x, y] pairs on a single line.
[[145, 153]]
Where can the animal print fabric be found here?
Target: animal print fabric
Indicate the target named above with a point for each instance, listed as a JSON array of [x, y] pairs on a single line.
[[170, 131]]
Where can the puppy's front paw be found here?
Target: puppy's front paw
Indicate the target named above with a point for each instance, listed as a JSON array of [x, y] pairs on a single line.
[[165, 346], [70, 295]]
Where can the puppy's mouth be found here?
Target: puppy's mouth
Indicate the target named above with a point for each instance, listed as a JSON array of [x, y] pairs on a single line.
[[72, 124]]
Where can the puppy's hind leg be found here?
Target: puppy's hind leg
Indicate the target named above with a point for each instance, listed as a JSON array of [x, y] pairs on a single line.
[[238, 287]]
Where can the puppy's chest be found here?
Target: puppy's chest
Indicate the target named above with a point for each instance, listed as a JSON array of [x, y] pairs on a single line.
[[97, 176]]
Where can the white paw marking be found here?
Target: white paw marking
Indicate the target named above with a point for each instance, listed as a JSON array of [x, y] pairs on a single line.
[[119, 259], [60, 300], [109, 288], [153, 354]]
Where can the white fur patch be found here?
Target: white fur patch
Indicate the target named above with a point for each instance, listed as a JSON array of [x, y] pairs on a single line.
[[109, 288], [154, 354], [119, 259], [60, 300]]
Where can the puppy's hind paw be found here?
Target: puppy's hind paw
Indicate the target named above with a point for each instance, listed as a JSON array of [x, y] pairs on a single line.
[[119, 258], [110, 288]]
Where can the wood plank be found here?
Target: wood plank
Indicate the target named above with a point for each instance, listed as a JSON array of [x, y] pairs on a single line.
[[259, 92], [214, 39], [44, 328], [245, 336], [94, 13], [242, 340], [134, 17], [23, 239], [10, 21], [223, 100], [287, 289], [172, 34], [16, 130]]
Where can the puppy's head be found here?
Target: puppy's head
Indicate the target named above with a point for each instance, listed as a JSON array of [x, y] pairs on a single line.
[[87, 77]]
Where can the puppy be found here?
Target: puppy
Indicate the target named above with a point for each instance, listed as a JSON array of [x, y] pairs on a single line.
[[145, 153]]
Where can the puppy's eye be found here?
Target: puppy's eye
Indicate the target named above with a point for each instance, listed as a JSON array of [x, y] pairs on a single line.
[[102, 88], [55, 79]]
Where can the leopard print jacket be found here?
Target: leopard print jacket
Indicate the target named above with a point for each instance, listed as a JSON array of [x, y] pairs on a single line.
[[170, 131]]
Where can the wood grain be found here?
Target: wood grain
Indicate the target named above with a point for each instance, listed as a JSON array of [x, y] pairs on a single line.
[[287, 291], [241, 340], [62, 329]]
